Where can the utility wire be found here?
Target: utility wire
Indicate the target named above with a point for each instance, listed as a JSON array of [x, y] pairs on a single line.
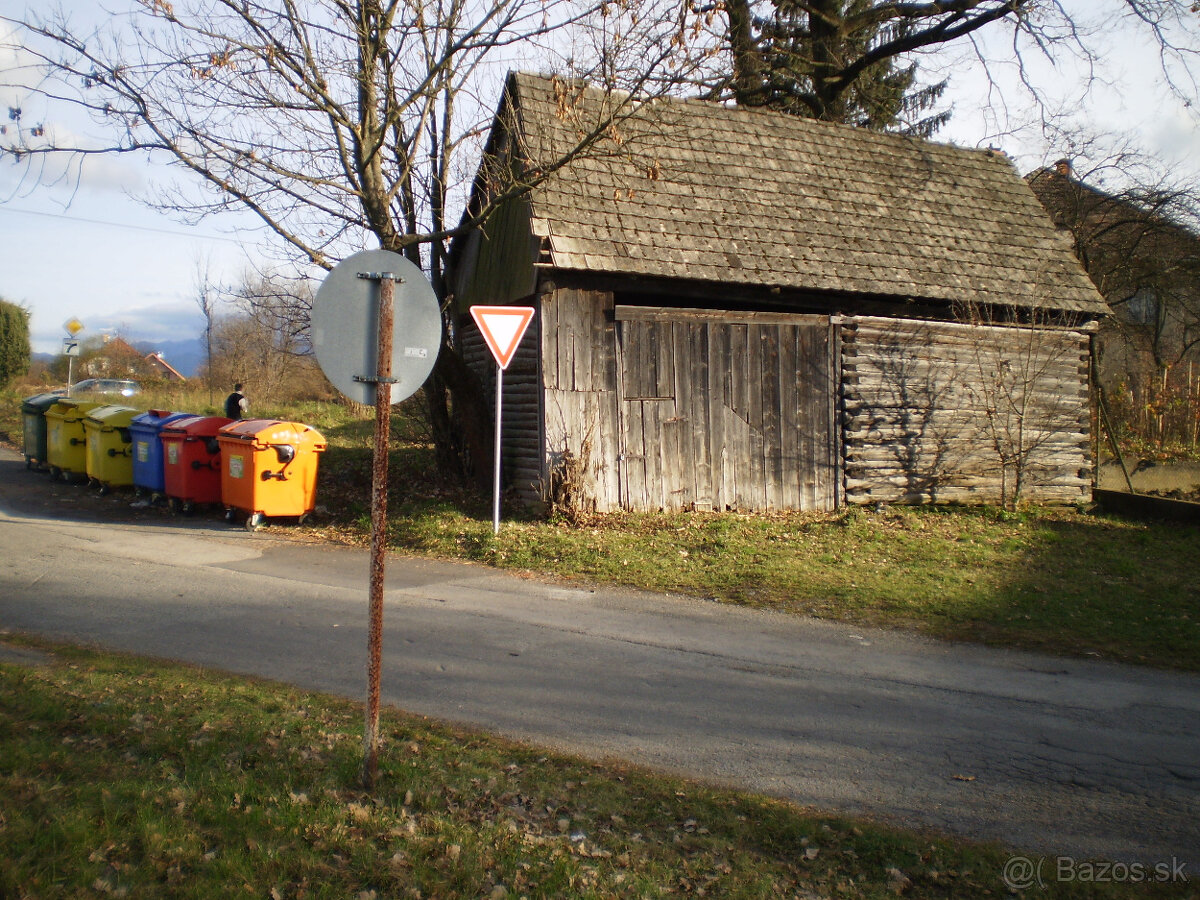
[[107, 224]]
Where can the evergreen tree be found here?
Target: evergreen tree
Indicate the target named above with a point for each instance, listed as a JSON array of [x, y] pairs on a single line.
[[844, 60], [14, 342]]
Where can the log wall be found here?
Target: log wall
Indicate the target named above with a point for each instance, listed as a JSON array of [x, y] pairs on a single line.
[[949, 412]]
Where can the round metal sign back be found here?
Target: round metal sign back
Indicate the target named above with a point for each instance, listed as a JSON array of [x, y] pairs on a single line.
[[345, 320]]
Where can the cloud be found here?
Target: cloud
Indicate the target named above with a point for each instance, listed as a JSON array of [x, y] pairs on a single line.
[[1176, 136], [166, 321]]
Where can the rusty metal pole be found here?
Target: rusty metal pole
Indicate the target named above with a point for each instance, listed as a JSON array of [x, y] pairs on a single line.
[[379, 490]]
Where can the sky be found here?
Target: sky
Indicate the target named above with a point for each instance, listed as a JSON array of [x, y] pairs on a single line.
[[91, 251]]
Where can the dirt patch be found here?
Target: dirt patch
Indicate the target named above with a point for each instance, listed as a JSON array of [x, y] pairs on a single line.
[[1179, 481], [22, 656], [1191, 495]]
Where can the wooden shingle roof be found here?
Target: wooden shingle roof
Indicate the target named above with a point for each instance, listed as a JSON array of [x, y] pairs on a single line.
[[697, 190]]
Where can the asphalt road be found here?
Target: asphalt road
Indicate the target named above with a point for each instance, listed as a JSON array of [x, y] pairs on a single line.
[[1053, 756]]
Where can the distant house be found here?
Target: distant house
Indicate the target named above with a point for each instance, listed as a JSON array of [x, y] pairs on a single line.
[[1145, 264], [738, 309], [117, 358], [162, 368]]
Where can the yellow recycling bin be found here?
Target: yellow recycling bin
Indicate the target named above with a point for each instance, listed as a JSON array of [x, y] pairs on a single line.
[[110, 446], [66, 439], [269, 468]]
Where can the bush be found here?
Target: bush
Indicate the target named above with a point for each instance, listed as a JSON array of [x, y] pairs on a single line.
[[14, 342]]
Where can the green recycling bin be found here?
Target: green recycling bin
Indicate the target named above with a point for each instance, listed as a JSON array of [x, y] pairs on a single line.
[[66, 440], [109, 446], [33, 414]]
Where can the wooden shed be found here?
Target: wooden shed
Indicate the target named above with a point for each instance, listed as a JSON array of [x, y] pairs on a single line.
[[738, 309]]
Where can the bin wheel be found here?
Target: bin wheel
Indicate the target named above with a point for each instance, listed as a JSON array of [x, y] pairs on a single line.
[[55, 471], [188, 508], [103, 490], [229, 515], [29, 462], [172, 506], [253, 521], [303, 518]]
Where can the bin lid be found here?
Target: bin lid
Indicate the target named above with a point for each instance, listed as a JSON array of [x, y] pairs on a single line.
[[69, 409], [111, 416], [195, 426], [154, 420], [271, 431], [39, 403], [249, 429]]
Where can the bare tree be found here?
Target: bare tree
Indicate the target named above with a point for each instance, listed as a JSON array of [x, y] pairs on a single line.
[[207, 298], [281, 306], [338, 123], [260, 341], [1136, 229]]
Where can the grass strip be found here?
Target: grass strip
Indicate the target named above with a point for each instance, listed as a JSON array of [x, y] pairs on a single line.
[[124, 777]]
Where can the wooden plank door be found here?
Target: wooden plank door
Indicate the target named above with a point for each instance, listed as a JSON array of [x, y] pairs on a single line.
[[721, 412]]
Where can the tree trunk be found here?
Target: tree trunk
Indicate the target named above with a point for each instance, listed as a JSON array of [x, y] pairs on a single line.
[[826, 24], [747, 62]]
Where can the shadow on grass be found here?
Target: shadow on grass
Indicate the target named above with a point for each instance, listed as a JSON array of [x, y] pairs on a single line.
[[1098, 585]]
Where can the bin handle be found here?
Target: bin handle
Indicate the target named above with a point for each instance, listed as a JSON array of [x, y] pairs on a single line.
[[114, 452], [196, 464], [285, 453]]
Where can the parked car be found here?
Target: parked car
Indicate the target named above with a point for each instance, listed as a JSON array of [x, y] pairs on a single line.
[[121, 386]]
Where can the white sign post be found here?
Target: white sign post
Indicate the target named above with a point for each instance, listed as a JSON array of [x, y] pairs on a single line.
[[71, 348], [502, 328]]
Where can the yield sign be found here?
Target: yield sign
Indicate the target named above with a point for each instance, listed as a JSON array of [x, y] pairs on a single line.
[[502, 327]]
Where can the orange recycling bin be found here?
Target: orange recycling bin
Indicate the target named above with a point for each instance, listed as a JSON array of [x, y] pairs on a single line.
[[192, 461], [269, 469], [110, 446], [66, 439]]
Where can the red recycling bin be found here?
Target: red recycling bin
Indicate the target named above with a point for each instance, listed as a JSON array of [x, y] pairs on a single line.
[[192, 461]]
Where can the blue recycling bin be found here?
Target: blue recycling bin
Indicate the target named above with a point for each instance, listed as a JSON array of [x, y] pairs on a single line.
[[145, 429]]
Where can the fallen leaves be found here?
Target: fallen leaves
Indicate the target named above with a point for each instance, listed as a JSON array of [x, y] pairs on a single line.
[[898, 882]]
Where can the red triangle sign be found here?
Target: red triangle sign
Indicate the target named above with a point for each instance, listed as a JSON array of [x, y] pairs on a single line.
[[502, 327]]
